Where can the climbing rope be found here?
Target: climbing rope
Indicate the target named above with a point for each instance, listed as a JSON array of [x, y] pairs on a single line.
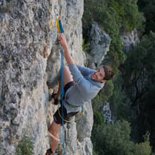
[[60, 30], [62, 93]]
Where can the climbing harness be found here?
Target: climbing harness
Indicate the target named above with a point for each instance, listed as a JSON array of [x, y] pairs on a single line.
[[64, 120]]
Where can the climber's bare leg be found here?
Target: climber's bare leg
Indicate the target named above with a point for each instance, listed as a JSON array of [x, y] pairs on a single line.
[[54, 131], [67, 75], [54, 128]]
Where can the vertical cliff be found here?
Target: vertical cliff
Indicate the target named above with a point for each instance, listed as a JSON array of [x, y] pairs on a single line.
[[27, 45]]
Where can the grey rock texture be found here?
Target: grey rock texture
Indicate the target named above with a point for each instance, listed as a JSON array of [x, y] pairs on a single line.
[[23, 88], [130, 39], [99, 45], [107, 113]]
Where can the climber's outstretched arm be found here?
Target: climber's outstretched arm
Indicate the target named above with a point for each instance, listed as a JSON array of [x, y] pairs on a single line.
[[65, 46]]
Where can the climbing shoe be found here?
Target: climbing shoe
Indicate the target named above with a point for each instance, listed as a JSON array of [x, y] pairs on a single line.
[[49, 152]]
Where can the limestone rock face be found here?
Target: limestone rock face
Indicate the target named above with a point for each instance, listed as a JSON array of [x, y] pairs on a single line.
[[130, 40], [107, 113], [23, 91], [84, 129], [29, 57], [99, 45], [85, 122]]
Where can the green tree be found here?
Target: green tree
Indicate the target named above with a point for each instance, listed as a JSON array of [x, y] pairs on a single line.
[[120, 102], [139, 76], [113, 139], [103, 96], [148, 7], [142, 149]]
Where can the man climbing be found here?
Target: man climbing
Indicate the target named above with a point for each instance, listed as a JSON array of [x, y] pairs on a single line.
[[81, 84]]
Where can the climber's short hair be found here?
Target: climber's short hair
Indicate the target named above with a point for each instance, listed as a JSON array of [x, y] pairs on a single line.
[[108, 72]]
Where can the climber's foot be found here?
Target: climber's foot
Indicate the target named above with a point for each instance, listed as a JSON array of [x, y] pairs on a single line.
[[49, 152]]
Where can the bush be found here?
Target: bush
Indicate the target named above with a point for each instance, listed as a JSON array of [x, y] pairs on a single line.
[[113, 139], [142, 149], [25, 147]]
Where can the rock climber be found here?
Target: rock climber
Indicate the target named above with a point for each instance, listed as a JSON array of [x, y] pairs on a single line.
[[81, 84]]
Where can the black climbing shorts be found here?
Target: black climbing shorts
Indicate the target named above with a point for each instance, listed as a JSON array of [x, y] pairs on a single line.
[[68, 85], [61, 116]]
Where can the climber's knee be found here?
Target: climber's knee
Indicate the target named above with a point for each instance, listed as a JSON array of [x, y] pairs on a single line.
[[54, 127], [54, 130], [54, 136]]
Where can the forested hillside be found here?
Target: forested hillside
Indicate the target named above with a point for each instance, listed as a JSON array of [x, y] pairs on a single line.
[[132, 92]]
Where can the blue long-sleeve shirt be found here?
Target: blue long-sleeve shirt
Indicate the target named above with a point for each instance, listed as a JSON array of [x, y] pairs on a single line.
[[84, 90]]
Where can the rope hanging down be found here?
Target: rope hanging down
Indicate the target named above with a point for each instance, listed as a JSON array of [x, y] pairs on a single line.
[[61, 30]]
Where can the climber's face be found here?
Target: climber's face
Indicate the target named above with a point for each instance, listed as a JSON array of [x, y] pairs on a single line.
[[99, 75]]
